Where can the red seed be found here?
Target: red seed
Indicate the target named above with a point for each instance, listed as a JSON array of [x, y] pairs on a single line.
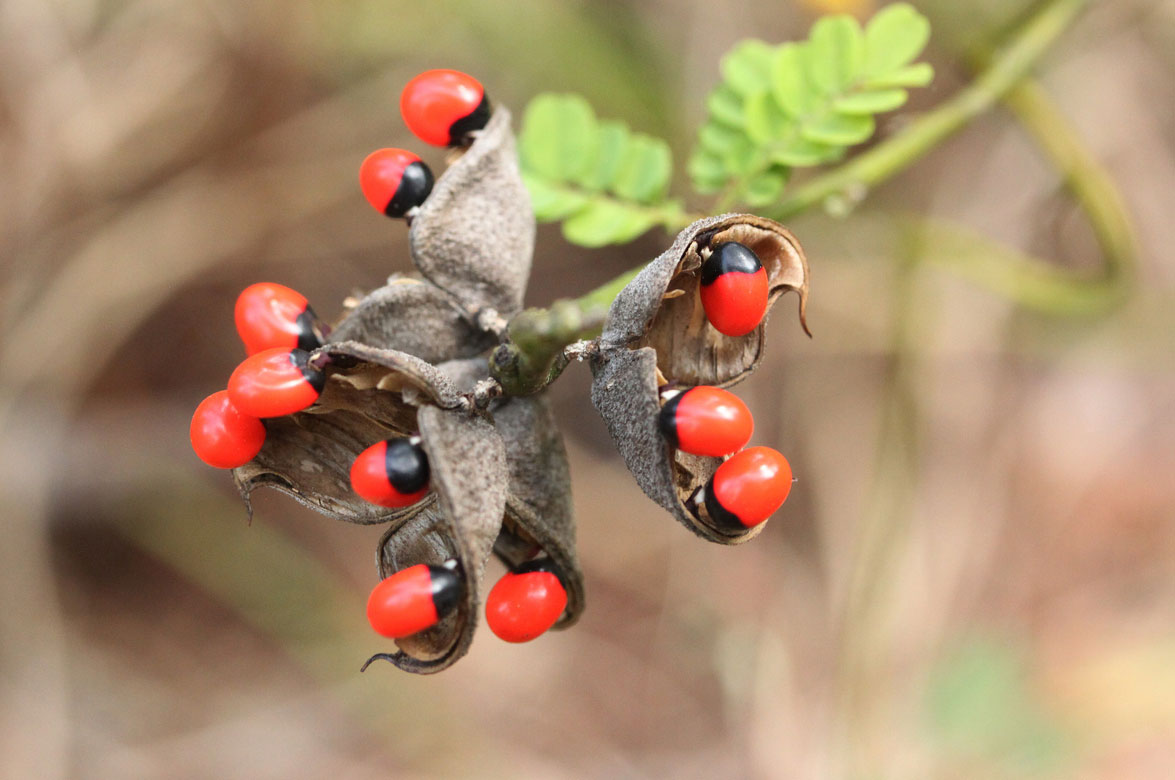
[[391, 473], [271, 315], [222, 435], [707, 421], [394, 181], [412, 600], [275, 382], [748, 488], [734, 289], [441, 107], [523, 605]]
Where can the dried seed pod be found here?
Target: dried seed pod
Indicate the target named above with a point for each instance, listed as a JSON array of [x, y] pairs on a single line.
[[469, 477], [413, 316], [539, 517], [369, 394], [625, 392], [538, 508], [661, 308], [657, 334], [474, 236]]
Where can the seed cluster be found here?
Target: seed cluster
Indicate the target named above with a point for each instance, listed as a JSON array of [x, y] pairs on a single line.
[[390, 416]]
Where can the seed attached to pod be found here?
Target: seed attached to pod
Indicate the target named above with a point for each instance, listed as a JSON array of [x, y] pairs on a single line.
[[412, 600], [734, 289], [222, 435], [392, 473], [706, 421], [394, 181], [272, 315], [441, 107], [748, 488], [275, 382], [526, 602]]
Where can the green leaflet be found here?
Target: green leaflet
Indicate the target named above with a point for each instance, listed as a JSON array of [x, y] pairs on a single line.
[[793, 105], [607, 183], [804, 103]]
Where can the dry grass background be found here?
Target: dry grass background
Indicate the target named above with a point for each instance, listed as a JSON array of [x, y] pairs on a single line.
[[974, 577]]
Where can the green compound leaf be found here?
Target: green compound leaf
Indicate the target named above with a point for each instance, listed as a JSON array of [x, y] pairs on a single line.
[[604, 222], [606, 183], [803, 104], [559, 137]]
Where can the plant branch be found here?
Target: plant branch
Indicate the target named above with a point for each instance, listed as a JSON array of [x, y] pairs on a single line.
[[534, 353], [851, 182]]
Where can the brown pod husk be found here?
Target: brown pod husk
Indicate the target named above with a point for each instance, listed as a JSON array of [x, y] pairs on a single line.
[[370, 394], [661, 307], [412, 316], [626, 393], [467, 462], [474, 235], [465, 373], [538, 508]]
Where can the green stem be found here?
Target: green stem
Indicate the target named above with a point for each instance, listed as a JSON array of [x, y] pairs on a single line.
[[853, 179], [532, 357]]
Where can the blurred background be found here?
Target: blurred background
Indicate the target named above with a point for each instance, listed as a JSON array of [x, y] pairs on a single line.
[[973, 577]]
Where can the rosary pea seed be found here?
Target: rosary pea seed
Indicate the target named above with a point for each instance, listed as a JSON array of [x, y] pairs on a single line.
[[272, 315], [222, 435], [392, 473], [275, 382], [394, 181], [412, 600], [441, 107], [734, 289]]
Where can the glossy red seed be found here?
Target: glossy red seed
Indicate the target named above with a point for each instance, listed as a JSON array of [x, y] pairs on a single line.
[[749, 487], [272, 315], [440, 106], [274, 382], [222, 435], [736, 302], [521, 607], [734, 289], [394, 181], [707, 421], [403, 604], [396, 481]]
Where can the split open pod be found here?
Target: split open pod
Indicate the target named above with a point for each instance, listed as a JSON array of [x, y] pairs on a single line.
[[458, 530], [657, 335]]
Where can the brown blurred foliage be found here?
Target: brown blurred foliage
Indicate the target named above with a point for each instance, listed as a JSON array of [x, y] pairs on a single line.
[[974, 576]]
